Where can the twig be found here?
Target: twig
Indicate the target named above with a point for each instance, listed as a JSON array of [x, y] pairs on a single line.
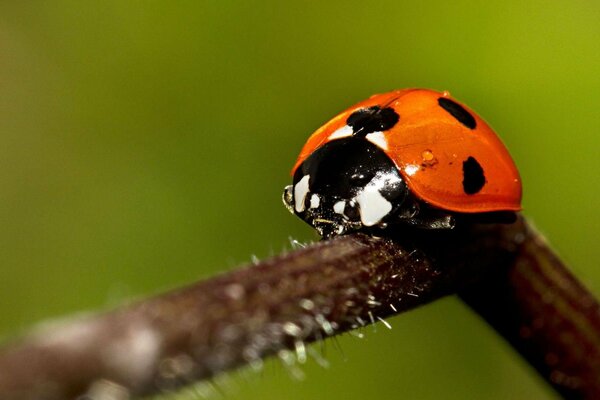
[[547, 315], [274, 307]]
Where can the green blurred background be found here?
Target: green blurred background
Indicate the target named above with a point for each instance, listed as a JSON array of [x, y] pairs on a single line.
[[144, 145]]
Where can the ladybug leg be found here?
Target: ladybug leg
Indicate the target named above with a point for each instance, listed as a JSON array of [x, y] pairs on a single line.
[[442, 222], [288, 198], [496, 217], [418, 214]]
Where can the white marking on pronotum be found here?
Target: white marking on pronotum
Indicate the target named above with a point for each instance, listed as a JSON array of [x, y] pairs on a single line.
[[314, 201], [339, 207], [342, 132], [378, 139], [411, 169], [373, 206], [300, 192]]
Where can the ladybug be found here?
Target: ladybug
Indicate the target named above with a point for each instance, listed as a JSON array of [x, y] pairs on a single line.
[[414, 156]]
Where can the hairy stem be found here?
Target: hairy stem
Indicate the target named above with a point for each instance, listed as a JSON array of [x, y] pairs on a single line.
[[546, 315], [279, 305]]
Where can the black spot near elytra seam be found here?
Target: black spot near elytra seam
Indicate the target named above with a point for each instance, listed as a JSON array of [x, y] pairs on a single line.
[[473, 177], [372, 119], [458, 112]]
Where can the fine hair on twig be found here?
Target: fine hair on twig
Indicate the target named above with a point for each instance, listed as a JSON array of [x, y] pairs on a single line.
[[280, 305]]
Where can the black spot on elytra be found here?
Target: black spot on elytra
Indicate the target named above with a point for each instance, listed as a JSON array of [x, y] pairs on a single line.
[[372, 119], [473, 177], [458, 112]]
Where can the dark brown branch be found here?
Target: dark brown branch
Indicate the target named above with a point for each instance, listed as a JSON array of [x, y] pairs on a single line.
[[271, 307], [547, 315]]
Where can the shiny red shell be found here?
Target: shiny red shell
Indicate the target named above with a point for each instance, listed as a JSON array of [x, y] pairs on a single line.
[[430, 147]]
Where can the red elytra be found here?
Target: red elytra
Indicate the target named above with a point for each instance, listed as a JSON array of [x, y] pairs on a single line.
[[430, 144]]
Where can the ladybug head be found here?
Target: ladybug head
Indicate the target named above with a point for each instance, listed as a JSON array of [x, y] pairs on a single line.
[[345, 185]]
